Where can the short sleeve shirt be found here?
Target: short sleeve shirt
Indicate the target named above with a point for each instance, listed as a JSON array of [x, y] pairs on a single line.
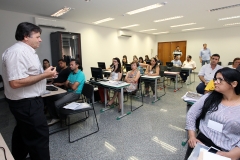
[[21, 61], [77, 77], [205, 54], [190, 64], [177, 63], [208, 72]]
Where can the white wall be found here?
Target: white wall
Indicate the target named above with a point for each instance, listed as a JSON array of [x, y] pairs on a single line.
[[222, 41], [98, 43]]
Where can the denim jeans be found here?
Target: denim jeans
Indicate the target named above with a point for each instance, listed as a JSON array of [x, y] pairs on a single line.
[[205, 61]]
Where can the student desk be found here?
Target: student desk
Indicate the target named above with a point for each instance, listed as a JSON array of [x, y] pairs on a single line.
[[189, 73], [59, 91], [155, 78], [107, 85], [7, 151], [176, 76]]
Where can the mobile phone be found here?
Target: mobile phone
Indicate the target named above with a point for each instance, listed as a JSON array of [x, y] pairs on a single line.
[[213, 150]]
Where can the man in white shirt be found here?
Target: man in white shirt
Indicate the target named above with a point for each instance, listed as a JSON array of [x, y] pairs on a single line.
[[24, 83], [207, 72], [189, 63], [176, 62], [177, 52]]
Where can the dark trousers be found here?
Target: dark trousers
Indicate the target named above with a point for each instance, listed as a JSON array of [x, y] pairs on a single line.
[[200, 88], [31, 134], [184, 75], [149, 84], [56, 102], [205, 141]]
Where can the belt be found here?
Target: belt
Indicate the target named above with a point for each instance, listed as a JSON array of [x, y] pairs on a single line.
[[24, 99]]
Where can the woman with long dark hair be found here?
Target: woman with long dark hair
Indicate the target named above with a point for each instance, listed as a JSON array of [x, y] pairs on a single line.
[[152, 70], [124, 62], [219, 114], [116, 75]]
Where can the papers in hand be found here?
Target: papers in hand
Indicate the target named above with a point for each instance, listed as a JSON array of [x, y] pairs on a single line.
[[76, 106], [191, 96]]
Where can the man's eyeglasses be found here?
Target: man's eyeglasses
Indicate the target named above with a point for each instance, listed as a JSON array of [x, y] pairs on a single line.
[[218, 80]]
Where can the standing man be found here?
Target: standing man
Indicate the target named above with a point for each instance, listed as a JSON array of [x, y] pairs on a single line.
[[177, 52], [205, 55], [207, 73], [24, 83]]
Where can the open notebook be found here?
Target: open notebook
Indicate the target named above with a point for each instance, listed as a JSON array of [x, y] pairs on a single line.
[[76, 106]]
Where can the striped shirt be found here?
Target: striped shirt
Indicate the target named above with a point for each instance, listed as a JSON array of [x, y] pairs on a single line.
[[19, 62], [226, 115]]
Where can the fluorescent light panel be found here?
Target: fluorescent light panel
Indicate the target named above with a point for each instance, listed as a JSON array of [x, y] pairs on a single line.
[[231, 24], [147, 30], [162, 32], [134, 25], [180, 25], [145, 9], [190, 29], [61, 12], [104, 20], [227, 18], [167, 19]]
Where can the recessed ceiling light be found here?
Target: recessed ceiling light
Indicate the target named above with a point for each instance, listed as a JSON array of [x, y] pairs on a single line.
[[103, 20], [162, 32], [167, 19], [61, 12], [145, 8], [134, 25], [231, 24], [87, 0], [227, 18], [147, 30], [190, 29], [187, 24]]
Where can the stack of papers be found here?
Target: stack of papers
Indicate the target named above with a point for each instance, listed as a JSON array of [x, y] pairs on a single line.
[[191, 96], [76, 106]]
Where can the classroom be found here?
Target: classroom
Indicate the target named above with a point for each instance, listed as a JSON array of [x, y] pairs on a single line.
[[157, 129]]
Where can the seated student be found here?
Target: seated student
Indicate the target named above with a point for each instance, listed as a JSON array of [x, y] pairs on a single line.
[[152, 70], [46, 64], [236, 63], [189, 63], [141, 65], [132, 77], [116, 75], [176, 62], [220, 108], [207, 72], [62, 75], [158, 60], [74, 85], [146, 59], [124, 62]]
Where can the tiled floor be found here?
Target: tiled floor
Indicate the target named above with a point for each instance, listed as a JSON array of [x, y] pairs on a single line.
[[153, 132]]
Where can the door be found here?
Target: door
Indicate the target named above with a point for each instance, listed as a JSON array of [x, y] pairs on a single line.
[[165, 50]]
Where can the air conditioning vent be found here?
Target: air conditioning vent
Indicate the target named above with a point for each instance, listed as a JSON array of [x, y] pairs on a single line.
[[226, 7], [124, 33], [55, 27]]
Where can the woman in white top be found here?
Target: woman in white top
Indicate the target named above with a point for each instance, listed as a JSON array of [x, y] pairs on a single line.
[[116, 75], [219, 116], [236, 63]]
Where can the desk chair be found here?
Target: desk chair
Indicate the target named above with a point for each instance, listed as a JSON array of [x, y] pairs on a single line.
[[230, 63], [219, 63], [133, 94], [2, 95], [87, 92], [161, 73]]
